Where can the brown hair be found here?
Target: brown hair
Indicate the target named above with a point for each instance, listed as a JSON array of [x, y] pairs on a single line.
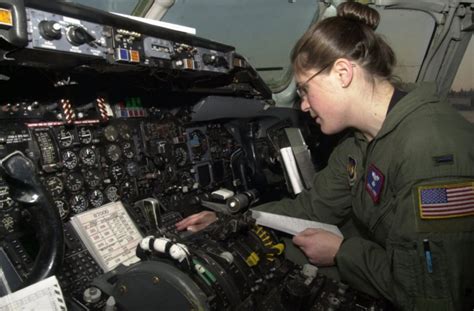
[[350, 34]]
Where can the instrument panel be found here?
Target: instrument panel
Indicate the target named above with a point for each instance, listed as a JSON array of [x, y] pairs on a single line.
[[87, 165]]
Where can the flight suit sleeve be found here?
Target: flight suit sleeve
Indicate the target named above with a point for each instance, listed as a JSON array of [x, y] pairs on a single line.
[[328, 200], [425, 260]]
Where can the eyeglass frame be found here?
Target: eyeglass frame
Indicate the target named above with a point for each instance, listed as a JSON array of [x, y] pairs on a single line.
[[300, 88]]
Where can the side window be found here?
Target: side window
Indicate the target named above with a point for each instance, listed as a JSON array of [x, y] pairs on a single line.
[[461, 95], [410, 50]]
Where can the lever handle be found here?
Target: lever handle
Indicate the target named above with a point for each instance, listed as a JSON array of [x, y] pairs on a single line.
[[19, 172]]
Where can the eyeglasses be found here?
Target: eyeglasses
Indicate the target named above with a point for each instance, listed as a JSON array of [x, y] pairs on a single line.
[[301, 89]]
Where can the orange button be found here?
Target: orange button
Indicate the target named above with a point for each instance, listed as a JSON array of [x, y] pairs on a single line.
[[134, 56], [6, 17]]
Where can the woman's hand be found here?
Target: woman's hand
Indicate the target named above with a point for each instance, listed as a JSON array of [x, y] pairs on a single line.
[[196, 222], [320, 246]]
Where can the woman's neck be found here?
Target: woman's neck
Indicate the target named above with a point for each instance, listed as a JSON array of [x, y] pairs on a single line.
[[374, 100]]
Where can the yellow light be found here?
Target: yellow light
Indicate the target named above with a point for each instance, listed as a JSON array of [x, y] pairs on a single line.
[[6, 17]]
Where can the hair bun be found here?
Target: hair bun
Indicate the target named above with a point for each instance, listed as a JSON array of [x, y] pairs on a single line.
[[360, 13]]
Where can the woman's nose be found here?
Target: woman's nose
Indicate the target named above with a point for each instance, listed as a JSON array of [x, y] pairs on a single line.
[[304, 105]]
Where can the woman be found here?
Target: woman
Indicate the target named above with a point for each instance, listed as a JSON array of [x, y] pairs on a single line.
[[406, 171]]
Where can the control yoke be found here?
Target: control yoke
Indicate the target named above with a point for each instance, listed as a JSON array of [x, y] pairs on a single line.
[[25, 188]]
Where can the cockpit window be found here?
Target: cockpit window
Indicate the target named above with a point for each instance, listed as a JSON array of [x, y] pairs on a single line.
[[264, 31]]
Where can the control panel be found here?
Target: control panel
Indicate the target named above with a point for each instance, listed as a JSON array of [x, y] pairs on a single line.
[[66, 34], [117, 45]]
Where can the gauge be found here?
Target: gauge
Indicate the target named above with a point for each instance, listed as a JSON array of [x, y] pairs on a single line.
[[87, 155], [132, 169], [69, 159], [74, 182], [127, 149], [8, 223], [124, 131], [111, 192], [63, 208], [5, 201], [65, 137], [96, 198], [113, 152], [85, 135], [47, 147], [78, 203], [116, 172], [54, 185], [92, 178], [111, 133], [181, 156]]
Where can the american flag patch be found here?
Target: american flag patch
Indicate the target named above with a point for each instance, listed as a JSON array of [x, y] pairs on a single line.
[[446, 201]]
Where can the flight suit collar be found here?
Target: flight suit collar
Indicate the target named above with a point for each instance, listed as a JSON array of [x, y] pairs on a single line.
[[418, 95]]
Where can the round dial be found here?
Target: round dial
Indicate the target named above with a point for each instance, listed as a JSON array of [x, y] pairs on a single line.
[[116, 172], [92, 178], [9, 222], [113, 152], [62, 207], [77, 35], [124, 131], [74, 182], [111, 133], [65, 137], [54, 185], [132, 169], [78, 203], [181, 156], [50, 30], [87, 156], [69, 159], [111, 192], [128, 150], [96, 198], [85, 135], [5, 201]]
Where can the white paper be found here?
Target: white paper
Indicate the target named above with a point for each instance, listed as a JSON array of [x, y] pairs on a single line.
[[109, 234], [43, 295], [291, 169], [291, 225]]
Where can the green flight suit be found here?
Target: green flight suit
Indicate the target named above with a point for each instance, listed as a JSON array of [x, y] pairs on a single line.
[[424, 145]]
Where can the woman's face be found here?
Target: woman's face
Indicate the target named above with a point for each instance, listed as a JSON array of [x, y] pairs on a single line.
[[322, 97]]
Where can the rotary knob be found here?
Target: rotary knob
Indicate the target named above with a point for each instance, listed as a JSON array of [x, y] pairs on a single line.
[[77, 35], [50, 30]]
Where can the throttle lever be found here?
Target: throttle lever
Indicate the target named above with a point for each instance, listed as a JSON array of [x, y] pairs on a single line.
[[19, 172]]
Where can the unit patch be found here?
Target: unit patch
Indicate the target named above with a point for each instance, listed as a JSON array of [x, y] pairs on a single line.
[[374, 184], [352, 171], [446, 200]]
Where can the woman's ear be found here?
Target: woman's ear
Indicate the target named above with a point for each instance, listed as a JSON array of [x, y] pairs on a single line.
[[344, 70]]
